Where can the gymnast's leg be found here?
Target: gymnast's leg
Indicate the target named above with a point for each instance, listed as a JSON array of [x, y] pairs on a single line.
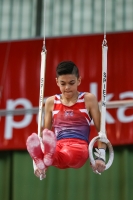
[[70, 153], [49, 141], [35, 151]]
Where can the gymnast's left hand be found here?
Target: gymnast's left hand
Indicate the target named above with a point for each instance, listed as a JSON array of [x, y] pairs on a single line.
[[99, 166]]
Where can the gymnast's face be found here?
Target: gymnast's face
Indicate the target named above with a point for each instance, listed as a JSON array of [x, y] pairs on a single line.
[[68, 84]]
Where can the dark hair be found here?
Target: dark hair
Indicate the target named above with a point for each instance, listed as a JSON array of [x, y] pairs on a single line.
[[67, 67]]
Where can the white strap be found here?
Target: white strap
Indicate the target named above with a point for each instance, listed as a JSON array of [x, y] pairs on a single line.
[[42, 85], [104, 85]]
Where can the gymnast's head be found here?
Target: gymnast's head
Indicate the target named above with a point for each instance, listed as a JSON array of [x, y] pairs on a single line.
[[67, 67]]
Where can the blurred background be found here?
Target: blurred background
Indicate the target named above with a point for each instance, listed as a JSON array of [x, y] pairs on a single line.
[[22, 20]]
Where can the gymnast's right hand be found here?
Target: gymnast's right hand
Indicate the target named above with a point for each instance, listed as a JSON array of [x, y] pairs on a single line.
[[39, 174]]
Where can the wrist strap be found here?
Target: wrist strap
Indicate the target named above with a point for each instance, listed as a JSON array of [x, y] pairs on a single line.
[[99, 159]]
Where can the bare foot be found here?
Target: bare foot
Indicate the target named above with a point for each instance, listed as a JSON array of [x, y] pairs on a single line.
[[34, 149], [49, 141]]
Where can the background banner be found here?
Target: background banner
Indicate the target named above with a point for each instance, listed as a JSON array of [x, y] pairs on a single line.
[[20, 78]]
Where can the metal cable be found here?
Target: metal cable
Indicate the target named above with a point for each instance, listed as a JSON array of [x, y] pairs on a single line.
[[105, 41]]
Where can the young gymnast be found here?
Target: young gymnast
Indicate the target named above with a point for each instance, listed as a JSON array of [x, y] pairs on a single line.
[[65, 138]]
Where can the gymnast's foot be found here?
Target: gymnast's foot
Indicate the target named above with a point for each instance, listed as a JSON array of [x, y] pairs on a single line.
[[35, 151], [49, 141]]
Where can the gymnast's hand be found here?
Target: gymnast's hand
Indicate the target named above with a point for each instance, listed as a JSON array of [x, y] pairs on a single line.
[[40, 174], [99, 166]]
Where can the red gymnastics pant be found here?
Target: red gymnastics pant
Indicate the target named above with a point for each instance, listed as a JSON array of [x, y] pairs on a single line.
[[70, 153]]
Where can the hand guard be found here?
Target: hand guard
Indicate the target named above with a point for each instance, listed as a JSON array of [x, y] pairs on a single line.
[[100, 154]]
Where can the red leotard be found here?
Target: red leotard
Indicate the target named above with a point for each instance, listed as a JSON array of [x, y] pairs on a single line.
[[72, 127]]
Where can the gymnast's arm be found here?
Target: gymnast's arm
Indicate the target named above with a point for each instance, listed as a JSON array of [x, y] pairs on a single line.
[[93, 108], [48, 112]]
